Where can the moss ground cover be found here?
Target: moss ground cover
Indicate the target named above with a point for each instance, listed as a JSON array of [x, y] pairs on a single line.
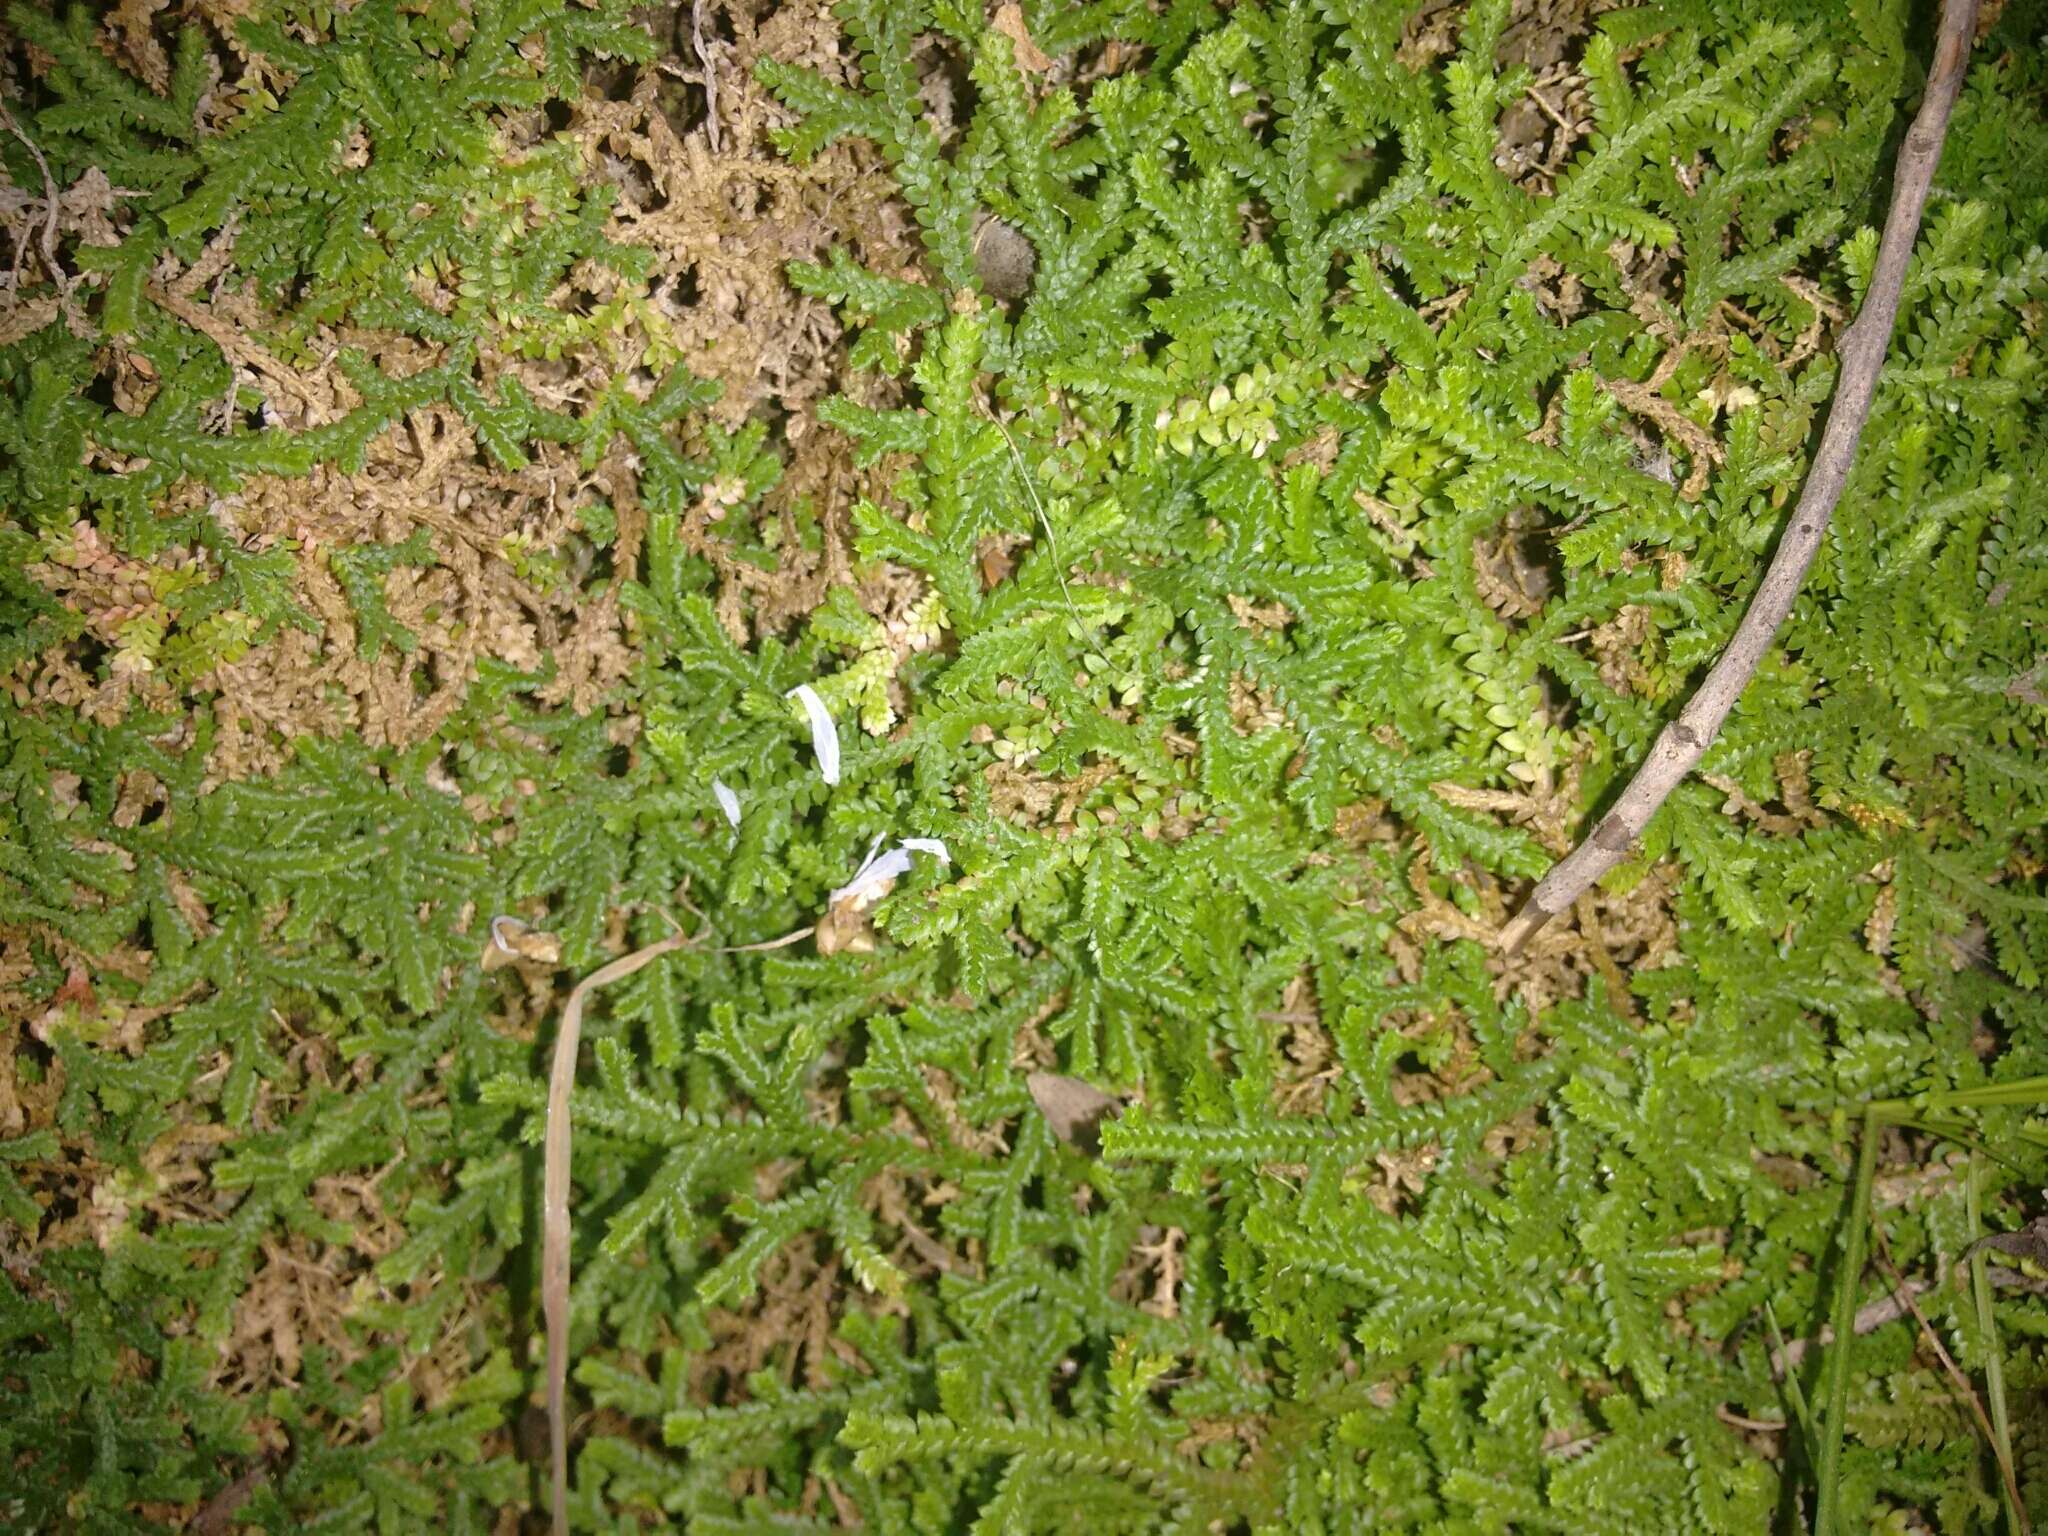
[[1250, 480]]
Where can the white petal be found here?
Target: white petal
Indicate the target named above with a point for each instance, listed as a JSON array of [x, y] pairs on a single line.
[[874, 847], [876, 872], [824, 735], [728, 802]]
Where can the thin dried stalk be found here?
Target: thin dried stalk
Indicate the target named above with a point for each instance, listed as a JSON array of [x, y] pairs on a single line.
[[554, 1261], [51, 202], [1685, 740], [1967, 1394]]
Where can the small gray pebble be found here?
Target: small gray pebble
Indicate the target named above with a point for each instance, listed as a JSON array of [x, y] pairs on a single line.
[[1003, 259]]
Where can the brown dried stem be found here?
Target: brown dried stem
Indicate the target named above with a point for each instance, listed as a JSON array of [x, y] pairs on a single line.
[[1967, 1394], [554, 1262], [1685, 740], [51, 206]]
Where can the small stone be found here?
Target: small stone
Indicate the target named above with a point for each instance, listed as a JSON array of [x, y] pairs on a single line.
[[1003, 259]]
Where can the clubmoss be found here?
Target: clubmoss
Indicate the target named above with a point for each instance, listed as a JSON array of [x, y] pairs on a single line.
[[1253, 600]]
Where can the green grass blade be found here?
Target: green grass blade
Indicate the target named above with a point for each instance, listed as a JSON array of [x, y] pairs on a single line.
[[1994, 1357], [1829, 1472]]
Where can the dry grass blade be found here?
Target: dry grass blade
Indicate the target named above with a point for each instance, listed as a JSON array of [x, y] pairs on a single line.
[[1682, 743], [1968, 1394], [554, 1262]]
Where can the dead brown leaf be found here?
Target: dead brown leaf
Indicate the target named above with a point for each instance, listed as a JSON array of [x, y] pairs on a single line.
[[1009, 20], [1073, 1109]]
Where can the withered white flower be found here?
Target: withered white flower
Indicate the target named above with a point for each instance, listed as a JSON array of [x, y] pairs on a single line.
[[876, 873], [728, 802], [824, 734]]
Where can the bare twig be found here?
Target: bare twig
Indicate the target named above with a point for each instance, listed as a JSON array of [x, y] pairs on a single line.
[[554, 1262], [51, 204], [1685, 740]]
